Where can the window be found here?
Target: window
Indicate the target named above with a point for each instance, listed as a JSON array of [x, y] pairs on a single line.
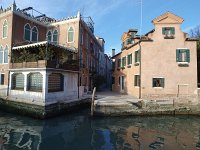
[[158, 82], [86, 41], [183, 55], [49, 36], [119, 80], [122, 44], [1, 55], [137, 80], [129, 59], [123, 61], [128, 41], [35, 82], [81, 36], [169, 32], [27, 32], [55, 37], [34, 34], [71, 34], [2, 79], [17, 81], [55, 82], [119, 63], [113, 80], [113, 65], [5, 29], [137, 56], [6, 54]]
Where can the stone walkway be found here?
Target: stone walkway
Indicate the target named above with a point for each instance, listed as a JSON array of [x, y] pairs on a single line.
[[110, 98]]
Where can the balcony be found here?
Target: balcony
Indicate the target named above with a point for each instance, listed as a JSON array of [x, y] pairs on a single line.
[[45, 64]]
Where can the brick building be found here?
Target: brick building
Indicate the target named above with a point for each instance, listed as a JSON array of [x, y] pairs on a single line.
[[76, 33]]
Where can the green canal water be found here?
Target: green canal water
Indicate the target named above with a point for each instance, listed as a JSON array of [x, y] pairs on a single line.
[[78, 131]]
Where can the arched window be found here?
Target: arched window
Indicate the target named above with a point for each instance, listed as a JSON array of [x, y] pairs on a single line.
[[34, 34], [6, 54], [49, 36], [27, 32], [1, 54], [55, 37], [17, 81], [35, 82], [71, 34], [5, 29], [55, 82]]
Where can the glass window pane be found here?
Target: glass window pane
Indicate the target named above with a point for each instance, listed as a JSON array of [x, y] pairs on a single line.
[[70, 34], [34, 34], [27, 32], [6, 55], [1, 55]]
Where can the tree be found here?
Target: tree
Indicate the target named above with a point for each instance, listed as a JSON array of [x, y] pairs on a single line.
[[195, 33]]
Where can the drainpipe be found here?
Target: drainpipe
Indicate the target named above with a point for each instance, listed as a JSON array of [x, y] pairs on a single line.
[[140, 71]]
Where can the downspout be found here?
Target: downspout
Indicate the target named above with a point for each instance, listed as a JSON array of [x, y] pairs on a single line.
[[79, 16], [140, 71]]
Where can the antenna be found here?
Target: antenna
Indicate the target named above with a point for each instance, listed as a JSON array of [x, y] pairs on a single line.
[[141, 18]]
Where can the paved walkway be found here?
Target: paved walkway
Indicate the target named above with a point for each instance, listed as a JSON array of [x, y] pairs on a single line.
[[112, 98]]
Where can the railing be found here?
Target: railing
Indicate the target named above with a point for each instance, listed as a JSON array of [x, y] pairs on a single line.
[[45, 64]]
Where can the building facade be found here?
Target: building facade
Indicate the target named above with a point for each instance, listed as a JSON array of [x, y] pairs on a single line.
[[22, 27], [161, 64]]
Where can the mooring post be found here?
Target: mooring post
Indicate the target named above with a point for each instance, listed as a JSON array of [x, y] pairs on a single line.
[[92, 102]]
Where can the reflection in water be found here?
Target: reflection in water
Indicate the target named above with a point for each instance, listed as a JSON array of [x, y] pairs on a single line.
[[79, 131]]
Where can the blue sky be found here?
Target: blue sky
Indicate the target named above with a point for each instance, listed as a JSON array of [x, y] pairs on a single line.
[[113, 17]]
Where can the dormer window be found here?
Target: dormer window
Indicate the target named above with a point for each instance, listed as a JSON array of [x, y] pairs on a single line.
[[128, 41], [168, 32]]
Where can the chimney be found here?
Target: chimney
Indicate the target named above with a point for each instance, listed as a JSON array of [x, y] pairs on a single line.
[[113, 52]]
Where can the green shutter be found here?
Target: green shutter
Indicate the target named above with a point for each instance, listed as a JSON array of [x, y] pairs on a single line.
[[177, 55], [138, 55], [130, 58], [188, 55], [163, 30], [135, 56], [172, 30]]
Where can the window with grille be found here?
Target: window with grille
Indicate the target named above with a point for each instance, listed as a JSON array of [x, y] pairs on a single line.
[[55, 82], [158, 82], [17, 81], [35, 82]]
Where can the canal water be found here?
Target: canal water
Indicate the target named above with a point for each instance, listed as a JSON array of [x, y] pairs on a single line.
[[78, 131]]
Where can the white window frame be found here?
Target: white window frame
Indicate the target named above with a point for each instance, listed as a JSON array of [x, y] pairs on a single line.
[[73, 34], [48, 36], [136, 62], [3, 27], [53, 35], [4, 54], [134, 81], [32, 33], [185, 62]]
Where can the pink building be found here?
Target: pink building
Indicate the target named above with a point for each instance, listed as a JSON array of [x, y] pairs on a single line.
[[162, 64]]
